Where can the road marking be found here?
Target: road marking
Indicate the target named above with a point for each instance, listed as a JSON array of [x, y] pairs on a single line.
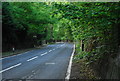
[[30, 76], [10, 67], [25, 77], [44, 54], [16, 55], [33, 71], [50, 50], [53, 49], [70, 65], [20, 80], [32, 58], [49, 63]]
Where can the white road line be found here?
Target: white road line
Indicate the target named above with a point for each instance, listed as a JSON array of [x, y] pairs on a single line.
[[53, 49], [10, 67], [49, 63], [30, 76], [32, 58], [70, 65], [24, 77], [44, 54], [16, 55], [50, 50], [33, 71]]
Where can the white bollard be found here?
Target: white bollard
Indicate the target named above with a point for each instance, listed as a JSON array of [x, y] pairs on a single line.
[[13, 49]]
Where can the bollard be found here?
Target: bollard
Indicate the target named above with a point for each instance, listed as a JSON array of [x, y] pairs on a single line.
[[13, 49]]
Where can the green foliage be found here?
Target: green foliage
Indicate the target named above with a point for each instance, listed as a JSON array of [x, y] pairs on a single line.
[[34, 17], [97, 24], [24, 21], [92, 21]]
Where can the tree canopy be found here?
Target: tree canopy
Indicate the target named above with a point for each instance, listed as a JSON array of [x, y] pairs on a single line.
[[96, 24]]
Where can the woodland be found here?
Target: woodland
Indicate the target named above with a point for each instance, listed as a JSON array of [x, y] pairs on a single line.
[[93, 27]]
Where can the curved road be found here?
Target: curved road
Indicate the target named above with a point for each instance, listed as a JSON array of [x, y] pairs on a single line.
[[50, 62]]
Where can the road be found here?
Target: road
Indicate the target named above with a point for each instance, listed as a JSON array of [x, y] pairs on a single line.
[[50, 62]]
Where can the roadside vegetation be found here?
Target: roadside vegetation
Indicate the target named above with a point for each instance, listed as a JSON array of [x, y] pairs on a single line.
[[93, 27]]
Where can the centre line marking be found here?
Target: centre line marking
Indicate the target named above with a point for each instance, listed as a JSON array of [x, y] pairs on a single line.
[[32, 58], [44, 54], [10, 67], [50, 50]]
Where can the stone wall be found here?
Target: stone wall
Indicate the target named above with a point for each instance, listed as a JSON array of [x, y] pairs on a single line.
[[113, 71]]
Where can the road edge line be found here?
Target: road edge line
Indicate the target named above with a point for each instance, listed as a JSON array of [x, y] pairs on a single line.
[[15, 55], [70, 65]]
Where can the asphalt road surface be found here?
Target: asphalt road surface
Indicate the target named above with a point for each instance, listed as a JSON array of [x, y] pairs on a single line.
[[50, 62]]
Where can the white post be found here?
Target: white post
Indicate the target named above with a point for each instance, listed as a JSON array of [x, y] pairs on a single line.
[[13, 49]]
